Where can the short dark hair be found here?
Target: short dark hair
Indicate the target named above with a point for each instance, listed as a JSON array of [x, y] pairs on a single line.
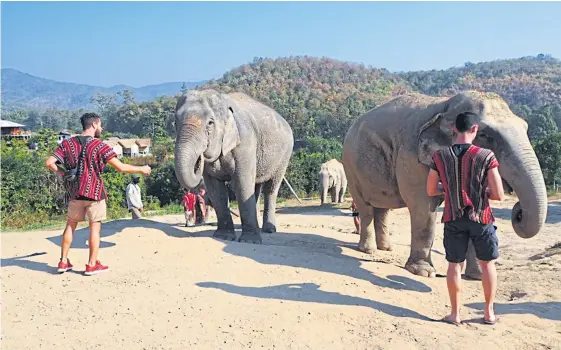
[[466, 120], [87, 120]]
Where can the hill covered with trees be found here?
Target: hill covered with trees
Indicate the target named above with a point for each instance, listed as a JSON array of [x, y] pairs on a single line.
[[320, 96]]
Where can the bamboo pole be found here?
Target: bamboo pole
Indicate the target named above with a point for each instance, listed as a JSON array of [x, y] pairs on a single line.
[[291, 189]]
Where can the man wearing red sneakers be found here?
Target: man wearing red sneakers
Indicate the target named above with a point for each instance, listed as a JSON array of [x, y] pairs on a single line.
[[84, 157]]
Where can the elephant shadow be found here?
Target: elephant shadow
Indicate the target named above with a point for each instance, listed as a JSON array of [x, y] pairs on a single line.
[[311, 293], [113, 227], [548, 310], [330, 259]]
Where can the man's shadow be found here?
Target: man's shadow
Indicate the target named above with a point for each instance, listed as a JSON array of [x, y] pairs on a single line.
[[548, 310], [310, 293]]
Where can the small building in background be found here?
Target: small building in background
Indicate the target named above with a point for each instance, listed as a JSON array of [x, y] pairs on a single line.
[[62, 135], [10, 130], [113, 142], [144, 146], [130, 147]]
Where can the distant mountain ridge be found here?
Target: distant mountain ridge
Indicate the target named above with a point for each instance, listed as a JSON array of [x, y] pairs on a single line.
[[25, 91]]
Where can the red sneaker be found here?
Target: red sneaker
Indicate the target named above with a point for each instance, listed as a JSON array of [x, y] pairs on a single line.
[[63, 267], [97, 268]]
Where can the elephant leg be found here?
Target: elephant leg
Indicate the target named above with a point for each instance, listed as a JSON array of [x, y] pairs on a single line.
[[244, 184], [423, 219], [343, 190], [473, 270], [337, 192], [271, 189], [333, 194], [381, 229], [218, 194], [257, 193], [367, 242]]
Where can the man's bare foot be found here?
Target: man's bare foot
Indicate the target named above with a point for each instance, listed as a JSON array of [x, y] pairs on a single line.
[[490, 317], [452, 319]]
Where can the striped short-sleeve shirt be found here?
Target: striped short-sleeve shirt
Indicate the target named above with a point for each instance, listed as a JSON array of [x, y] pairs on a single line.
[[98, 154], [464, 178]]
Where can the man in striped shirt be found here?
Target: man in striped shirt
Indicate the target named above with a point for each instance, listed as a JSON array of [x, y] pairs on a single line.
[[86, 196], [467, 176]]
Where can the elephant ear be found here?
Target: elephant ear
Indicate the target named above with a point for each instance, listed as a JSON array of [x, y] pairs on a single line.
[[437, 133], [231, 136]]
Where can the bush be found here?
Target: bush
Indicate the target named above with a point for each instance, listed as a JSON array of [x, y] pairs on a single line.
[[163, 184]]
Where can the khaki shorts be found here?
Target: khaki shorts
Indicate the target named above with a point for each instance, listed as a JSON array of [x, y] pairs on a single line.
[[95, 210]]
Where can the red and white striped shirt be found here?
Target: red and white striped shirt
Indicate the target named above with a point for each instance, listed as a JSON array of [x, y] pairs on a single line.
[[464, 179], [98, 154]]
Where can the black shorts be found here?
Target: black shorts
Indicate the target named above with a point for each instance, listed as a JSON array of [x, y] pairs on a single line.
[[458, 233], [355, 213]]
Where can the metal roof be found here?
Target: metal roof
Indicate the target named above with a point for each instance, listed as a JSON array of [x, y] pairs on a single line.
[[9, 124]]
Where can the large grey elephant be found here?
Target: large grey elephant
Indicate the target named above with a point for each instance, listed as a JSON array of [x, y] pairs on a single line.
[[387, 151], [232, 137], [332, 179]]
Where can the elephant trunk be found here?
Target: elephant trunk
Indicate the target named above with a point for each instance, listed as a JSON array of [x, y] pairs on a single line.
[[520, 168], [189, 160]]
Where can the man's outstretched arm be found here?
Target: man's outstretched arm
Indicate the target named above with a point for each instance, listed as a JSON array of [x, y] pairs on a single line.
[[127, 168]]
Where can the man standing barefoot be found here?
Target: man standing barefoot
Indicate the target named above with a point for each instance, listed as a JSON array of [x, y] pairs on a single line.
[[85, 192], [468, 177]]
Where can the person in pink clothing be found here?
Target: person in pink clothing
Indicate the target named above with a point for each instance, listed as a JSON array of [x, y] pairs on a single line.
[[189, 201]]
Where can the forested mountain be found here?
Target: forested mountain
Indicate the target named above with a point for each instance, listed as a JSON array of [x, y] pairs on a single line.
[[318, 96], [321, 96], [25, 91]]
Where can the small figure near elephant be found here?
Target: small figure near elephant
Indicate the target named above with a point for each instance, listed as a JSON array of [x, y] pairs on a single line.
[[232, 137], [332, 179], [386, 156]]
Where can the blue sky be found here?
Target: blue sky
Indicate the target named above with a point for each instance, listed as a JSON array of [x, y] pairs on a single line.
[[140, 43]]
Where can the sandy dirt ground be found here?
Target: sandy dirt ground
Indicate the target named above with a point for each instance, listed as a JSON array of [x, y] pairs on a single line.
[[305, 287]]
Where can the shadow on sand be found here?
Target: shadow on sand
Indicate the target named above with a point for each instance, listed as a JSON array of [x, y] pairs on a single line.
[[310, 293], [548, 310]]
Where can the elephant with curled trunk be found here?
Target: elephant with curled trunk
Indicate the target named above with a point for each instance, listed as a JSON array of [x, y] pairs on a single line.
[[332, 179], [387, 151], [234, 138]]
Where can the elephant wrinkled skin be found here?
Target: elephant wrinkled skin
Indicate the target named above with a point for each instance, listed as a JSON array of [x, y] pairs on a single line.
[[387, 151], [332, 179], [232, 137]]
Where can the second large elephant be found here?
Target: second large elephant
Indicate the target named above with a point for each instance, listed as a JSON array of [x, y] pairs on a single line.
[[332, 179], [232, 138], [387, 151]]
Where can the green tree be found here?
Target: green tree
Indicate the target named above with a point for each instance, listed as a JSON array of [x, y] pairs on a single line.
[[548, 151]]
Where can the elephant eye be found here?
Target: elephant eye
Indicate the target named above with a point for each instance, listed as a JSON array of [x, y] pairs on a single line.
[[211, 122]]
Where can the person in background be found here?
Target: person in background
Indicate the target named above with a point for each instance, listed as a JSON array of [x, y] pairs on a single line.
[[189, 200], [134, 197], [86, 195], [202, 207], [468, 176], [356, 218]]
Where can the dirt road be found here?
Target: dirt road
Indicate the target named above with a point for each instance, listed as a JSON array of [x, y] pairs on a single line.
[[305, 287]]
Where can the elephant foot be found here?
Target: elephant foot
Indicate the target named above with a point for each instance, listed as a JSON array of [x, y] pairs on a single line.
[[386, 247], [421, 268], [250, 237], [269, 228], [367, 248], [473, 274], [227, 235]]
